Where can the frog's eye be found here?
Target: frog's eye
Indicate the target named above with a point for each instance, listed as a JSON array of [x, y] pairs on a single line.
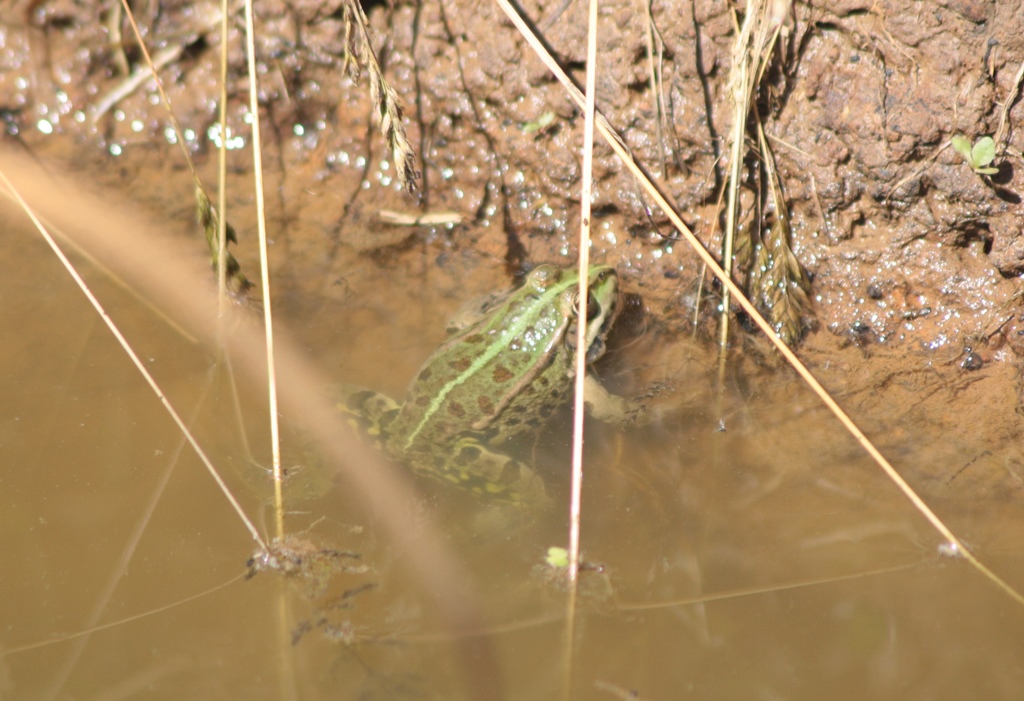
[[593, 306]]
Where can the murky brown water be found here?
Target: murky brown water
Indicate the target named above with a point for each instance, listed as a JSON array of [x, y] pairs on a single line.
[[771, 560]]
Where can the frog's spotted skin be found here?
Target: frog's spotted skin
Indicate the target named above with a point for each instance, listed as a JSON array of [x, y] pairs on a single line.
[[465, 463], [500, 376]]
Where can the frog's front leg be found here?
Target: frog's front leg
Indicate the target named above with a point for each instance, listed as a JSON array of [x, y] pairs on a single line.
[[369, 413], [470, 464], [611, 408]]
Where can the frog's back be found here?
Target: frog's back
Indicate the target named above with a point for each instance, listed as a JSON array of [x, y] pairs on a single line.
[[503, 375]]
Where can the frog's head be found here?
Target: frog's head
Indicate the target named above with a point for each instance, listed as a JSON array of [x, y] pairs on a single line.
[[602, 306], [552, 289]]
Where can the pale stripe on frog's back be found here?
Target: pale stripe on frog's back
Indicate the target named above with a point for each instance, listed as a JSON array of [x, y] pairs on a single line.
[[523, 333]]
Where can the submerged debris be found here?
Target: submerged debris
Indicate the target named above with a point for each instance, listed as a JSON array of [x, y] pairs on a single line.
[[344, 632], [300, 558], [314, 568], [593, 579]]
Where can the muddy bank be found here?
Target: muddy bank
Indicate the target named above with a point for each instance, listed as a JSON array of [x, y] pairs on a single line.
[[912, 256]]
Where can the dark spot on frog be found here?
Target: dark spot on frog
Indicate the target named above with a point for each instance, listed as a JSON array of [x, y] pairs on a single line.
[[486, 405], [456, 409], [501, 374], [474, 338], [973, 361], [510, 472], [357, 400], [543, 381], [422, 400], [460, 365], [424, 375], [468, 455]]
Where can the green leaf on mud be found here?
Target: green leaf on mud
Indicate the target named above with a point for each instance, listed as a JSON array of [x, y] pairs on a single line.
[[979, 156], [983, 153], [963, 147]]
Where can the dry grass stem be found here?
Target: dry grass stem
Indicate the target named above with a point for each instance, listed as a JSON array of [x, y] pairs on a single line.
[[132, 83], [222, 262], [388, 216], [766, 589], [739, 88], [602, 125], [136, 361], [118, 571], [70, 243], [616, 144], [261, 224], [112, 22], [207, 215], [775, 278], [575, 501], [1003, 130], [153, 72], [236, 282], [655, 52], [388, 107], [763, 20], [583, 264], [64, 637], [776, 281]]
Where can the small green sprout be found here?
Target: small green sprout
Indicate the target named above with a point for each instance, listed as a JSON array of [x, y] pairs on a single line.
[[979, 156], [542, 122], [557, 558]]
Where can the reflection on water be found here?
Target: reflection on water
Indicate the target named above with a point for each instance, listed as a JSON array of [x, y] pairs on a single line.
[[770, 560]]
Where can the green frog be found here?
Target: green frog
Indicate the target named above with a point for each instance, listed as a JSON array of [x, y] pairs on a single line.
[[495, 378]]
